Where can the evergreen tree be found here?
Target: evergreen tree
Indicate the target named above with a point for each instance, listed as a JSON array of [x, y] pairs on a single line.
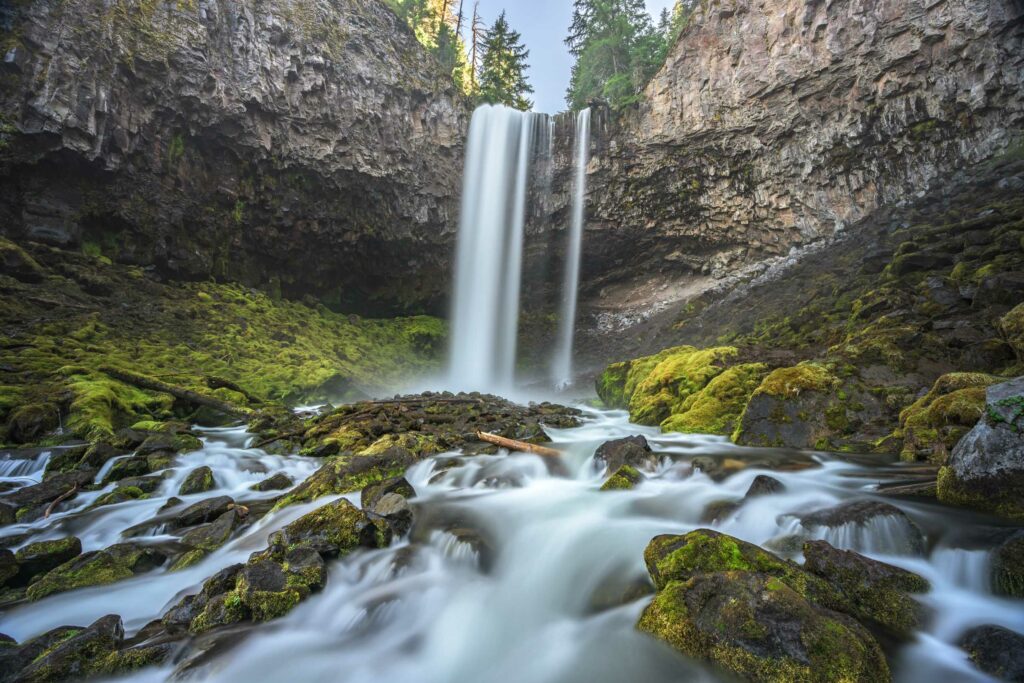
[[503, 67], [617, 50], [437, 25]]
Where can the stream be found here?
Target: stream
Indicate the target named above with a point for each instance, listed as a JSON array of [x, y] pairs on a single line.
[[517, 570]]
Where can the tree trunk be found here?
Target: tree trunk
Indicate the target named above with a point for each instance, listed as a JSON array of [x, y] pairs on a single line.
[[514, 445]]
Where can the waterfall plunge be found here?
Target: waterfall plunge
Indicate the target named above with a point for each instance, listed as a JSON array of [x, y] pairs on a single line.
[[488, 260], [489, 257], [561, 368]]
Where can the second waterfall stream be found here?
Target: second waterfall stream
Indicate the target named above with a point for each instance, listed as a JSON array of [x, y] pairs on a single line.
[[502, 154]]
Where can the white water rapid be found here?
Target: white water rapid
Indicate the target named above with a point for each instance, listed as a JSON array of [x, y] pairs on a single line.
[[513, 572], [562, 359], [488, 261]]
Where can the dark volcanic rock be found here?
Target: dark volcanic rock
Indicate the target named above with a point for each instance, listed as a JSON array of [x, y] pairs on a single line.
[[98, 567], [278, 482], [42, 556], [631, 450], [1008, 567], [997, 651], [308, 148], [763, 485], [899, 534], [204, 511], [49, 490]]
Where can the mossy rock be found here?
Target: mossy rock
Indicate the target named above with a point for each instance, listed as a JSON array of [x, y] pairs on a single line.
[[334, 529], [932, 425], [1012, 327], [655, 387], [716, 409], [346, 474], [793, 408], [1008, 567], [199, 480], [18, 264], [873, 592], [42, 556], [99, 567], [756, 626], [624, 479], [30, 423]]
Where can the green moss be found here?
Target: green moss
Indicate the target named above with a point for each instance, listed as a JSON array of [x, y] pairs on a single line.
[[716, 408], [120, 495], [267, 605], [791, 382], [1012, 327], [931, 426], [221, 610], [1007, 501], [187, 560], [624, 479], [91, 569]]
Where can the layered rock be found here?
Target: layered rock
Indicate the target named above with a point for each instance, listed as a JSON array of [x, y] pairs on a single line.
[[306, 146], [775, 124]]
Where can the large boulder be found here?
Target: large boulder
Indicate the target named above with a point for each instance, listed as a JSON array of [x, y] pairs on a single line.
[[631, 450], [997, 651], [754, 614], [790, 408], [199, 480], [986, 469], [868, 525]]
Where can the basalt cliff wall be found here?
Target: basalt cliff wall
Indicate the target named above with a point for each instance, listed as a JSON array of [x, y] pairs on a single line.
[[776, 123], [301, 146]]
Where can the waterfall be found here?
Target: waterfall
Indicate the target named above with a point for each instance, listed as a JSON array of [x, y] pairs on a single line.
[[488, 260], [562, 362]]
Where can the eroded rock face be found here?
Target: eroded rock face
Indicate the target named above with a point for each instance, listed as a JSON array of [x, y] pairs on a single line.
[[776, 123], [306, 146]]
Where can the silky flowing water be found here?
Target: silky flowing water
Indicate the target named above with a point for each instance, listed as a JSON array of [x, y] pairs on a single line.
[[518, 568]]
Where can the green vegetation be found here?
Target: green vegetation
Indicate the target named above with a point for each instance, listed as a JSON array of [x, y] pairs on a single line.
[[503, 67], [624, 479], [932, 425], [716, 409], [438, 25], [191, 335], [617, 49]]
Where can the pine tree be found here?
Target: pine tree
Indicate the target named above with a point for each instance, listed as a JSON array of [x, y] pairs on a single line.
[[617, 50], [503, 67], [437, 27]]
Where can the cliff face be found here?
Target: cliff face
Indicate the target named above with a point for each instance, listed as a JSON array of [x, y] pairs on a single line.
[[310, 145], [776, 123]]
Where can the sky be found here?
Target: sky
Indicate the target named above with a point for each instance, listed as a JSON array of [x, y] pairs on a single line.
[[544, 25]]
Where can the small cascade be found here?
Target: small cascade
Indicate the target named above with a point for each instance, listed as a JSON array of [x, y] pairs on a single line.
[[562, 362], [485, 312]]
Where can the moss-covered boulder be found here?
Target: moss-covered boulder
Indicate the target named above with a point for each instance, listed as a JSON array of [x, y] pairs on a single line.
[[625, 478], [761, 617], [209, 537], [875, 593], [790, 408], [347, 473], [276, 482], [716, 409], [932, 425], [42, 556], [199, 480], [372, 493], [8, 566], [18, 264], [99, 567], [997, 651], [201, 512], [884, 527], [1012, 327], [1008, 567], [986, 468], [655, 387]]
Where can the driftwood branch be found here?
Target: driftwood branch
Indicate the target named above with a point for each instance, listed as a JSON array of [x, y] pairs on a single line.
[[514, 445], [64, 496], [143, 382]]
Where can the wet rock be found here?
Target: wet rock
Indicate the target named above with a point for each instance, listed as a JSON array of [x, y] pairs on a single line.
[[134, 466], [763, 485], [718, 510], [8, 566], [169, 442], [396, 511], [199, 480], [49, 490], [145, 484], [334, 529], [64, 460], [98, 567], [42, 556], [78, 654], [875, 593], [906, 537], [204, 511], [19, 264], [1008, 567], [8, 514], [986, 468], [351, 473], [631, 450], [180, 618], [278, 482], [761, 628], [718, 468], [121, 494], [997, 651], [209, 537], [14, 657], [98, 454], [374, 492], [625, 478]]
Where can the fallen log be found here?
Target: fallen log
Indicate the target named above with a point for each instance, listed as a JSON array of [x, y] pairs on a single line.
[[514, 445], [220, 383], [64, 496], [143, 382]]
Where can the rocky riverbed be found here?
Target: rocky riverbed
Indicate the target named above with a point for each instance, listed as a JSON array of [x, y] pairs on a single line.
[[377, 530]]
